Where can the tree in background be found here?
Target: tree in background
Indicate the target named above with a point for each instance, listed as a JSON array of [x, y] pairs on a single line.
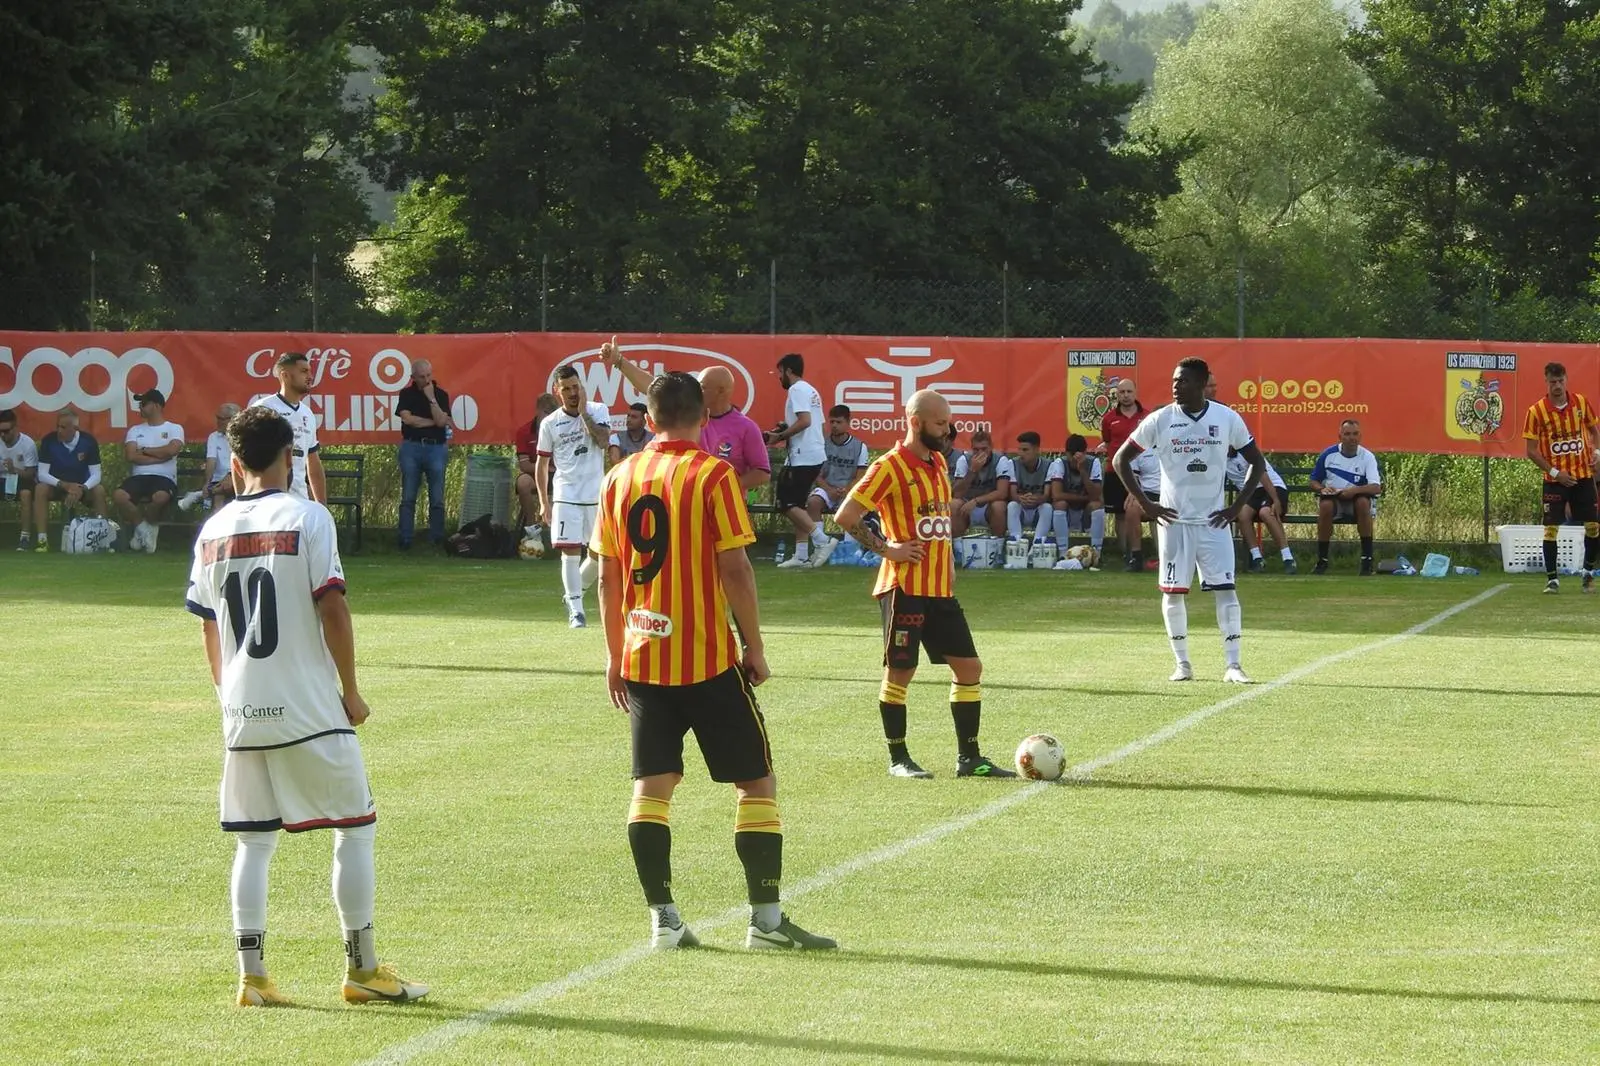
[[1279, 183], [661, 154], [190, 147], [1129, 41], [1488, 122]]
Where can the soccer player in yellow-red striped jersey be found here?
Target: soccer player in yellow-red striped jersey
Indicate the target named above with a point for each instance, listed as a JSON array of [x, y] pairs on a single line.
[[901, 510], [671, 541], [1561, 435]]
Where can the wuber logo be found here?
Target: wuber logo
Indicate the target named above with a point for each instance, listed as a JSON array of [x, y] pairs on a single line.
[[89, 379], [604, 383]]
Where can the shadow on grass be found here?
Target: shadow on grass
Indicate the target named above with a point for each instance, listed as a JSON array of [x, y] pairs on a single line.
[[1205, 980], [668, 1032], [1274, 792]]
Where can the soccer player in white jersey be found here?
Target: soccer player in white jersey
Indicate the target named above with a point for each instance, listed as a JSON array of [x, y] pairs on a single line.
[[269, 587], [573, 440], [294, 385], [1075, 496], [1190, 438]]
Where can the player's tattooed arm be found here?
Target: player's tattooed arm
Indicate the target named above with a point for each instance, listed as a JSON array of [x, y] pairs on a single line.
[[862, 524]]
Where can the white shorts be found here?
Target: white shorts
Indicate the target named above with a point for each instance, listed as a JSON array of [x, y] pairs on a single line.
[[1184, 547], [825, 493], [572, 524], [319, 784], [1030, 515]]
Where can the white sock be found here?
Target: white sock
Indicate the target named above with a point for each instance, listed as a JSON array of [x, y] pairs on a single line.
[[530, 531], [572, 578], [588, 572], [818, 537], [1058, 519], [1255, 553], [1286, 552], [1014, 520], [802, 550], [1041, 527], [251, 857], [1097, 528], [665, 915], [1176, 613], [355, 889], [1230, 622]]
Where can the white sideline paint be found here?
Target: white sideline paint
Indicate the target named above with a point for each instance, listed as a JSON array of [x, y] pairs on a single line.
[[451, 1033]]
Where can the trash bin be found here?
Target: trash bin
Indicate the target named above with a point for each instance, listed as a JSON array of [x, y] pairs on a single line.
[[486, 490]]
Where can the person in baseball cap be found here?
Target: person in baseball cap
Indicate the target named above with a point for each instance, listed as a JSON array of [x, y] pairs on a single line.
[[152, 449]]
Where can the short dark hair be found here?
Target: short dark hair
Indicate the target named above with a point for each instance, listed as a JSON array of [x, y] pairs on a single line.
[[641, 408], [981, 434], [8, 416], [1028, 437], [258, 436], [291, 358], [1194, 367], [794, 363], [676, 401], [838, 410], [1555, 370], [568, 371], [1076, 443], [545, 404]]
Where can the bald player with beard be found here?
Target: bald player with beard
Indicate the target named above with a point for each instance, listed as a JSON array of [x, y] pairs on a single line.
[[901, 510], [729, 433]]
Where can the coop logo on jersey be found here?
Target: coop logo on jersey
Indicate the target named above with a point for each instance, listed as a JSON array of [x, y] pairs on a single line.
[[906, 370], [1474, 408], [1092, 377], [388, 370], [605, 384], [89, 379], [649, 624]]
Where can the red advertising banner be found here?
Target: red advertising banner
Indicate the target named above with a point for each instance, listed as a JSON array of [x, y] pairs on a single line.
[[1411, 396]]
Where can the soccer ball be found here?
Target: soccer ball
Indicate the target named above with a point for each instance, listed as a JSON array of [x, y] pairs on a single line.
[[1085, 554], [1041, 758], [530, 548]]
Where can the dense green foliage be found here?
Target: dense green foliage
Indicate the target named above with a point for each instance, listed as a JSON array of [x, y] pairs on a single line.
[[945, 166]]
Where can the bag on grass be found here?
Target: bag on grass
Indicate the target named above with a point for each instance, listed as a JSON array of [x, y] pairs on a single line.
[[86, 535], [483, 538]]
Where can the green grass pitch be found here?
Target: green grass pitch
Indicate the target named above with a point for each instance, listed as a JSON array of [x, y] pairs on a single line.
[[1391, 858]]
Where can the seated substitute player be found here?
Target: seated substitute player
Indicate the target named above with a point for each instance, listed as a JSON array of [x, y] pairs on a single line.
[[1561, 433], [269, 586], [1029, 502], [19, 471], [216, 478], [527, 448], [982, 480], [632, 439], [1076, 496], [1148, 470], [671, 538], [1267, 505], [846, 462], [908, 489], [152, 451], [1190, 438], [1347, 482]]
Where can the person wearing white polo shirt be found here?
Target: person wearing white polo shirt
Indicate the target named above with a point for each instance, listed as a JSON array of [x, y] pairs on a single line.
[[802, 432], [152, 449], [216, 482]]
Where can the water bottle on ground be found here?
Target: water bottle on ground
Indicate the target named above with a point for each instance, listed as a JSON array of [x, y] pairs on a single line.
[[1467, 571], [782, 552]]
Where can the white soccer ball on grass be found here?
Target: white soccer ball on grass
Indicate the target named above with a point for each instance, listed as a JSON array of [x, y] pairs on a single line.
[[1041, 758]]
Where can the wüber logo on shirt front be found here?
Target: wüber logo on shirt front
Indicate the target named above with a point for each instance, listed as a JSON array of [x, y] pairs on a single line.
[[649, 624]]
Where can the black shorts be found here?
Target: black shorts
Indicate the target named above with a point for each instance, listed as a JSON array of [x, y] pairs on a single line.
[[1262, 498], [1112, 490], [794, 485], [725, 718], [1569, 503], [24, 484], [935, 623], [141, 488]]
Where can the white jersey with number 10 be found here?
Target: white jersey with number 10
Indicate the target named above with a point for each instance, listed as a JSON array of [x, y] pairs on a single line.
[[1193, 452], [260, 566]]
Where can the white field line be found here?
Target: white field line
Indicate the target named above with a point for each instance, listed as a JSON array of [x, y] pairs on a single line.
[[444, 1036]]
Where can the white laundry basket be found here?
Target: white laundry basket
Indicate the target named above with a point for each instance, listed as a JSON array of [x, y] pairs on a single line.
[[1522, 548]]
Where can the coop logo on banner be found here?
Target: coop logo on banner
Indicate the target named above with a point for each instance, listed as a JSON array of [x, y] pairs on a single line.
[[1474, 404], [907, 369], [335, 371], [1092, 376], [89, 379], [605, 384]]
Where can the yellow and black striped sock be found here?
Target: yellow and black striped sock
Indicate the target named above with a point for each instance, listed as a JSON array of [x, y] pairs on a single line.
[[892, 708], [966, 707], [758, 840], [650, 838]]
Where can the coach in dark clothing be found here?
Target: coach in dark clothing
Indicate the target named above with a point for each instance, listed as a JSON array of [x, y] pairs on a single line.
[[424, 411]]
